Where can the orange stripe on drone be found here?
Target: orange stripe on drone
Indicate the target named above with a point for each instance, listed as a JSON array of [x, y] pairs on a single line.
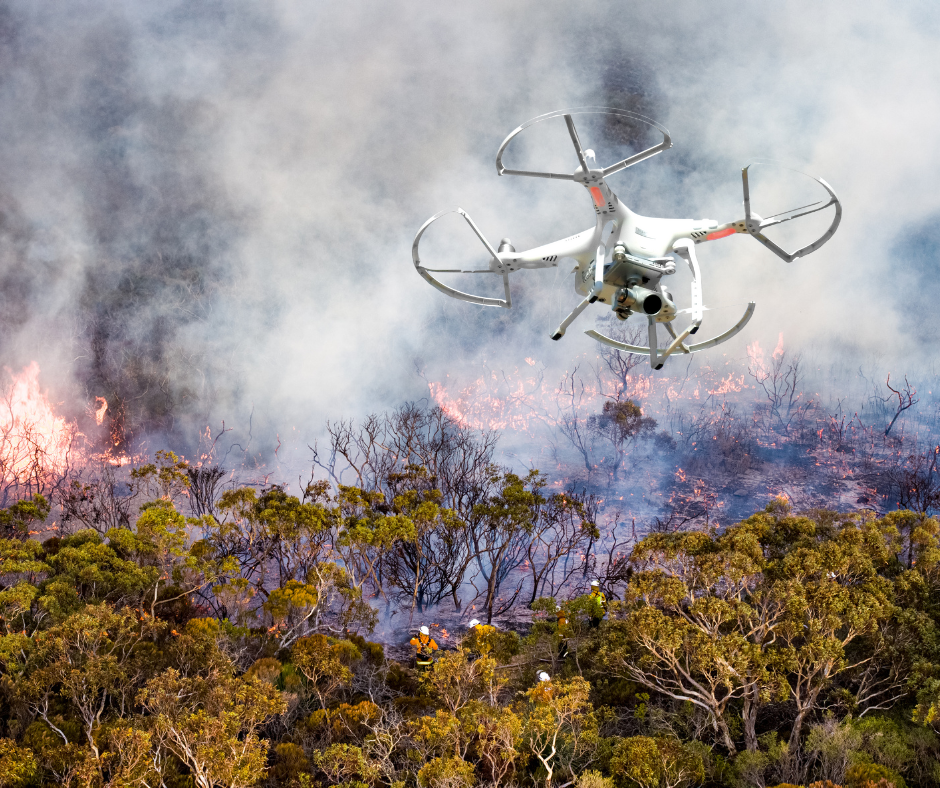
[[720, 234], [598, 196]]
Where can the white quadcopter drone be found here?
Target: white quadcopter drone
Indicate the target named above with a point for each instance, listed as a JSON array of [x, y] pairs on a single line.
[[622, 260]]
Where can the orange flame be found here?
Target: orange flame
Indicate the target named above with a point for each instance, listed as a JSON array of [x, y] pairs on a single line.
[[523, 400], [34, 442], [729, 385], [101, 409]]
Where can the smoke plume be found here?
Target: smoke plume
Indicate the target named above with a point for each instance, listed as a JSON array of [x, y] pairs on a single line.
[[206, 209]]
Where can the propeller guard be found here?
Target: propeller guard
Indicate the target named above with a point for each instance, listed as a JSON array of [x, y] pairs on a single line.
[[450, 291], [753, 226], [617, 167]]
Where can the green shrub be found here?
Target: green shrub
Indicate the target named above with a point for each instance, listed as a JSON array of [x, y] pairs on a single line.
[[593, 779], [860, 774], [446, 773], [647, 762]]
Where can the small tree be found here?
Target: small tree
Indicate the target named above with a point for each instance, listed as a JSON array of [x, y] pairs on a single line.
[[87, 659], [456, 679], [499, 534], [430, 566], [564, 531], [656, 763], [498, 734], [212, 724], [907, 398], [621, 423], [560, 729], [781, 380], [766, 609], [689, 631], [325, 663], [16, 520]]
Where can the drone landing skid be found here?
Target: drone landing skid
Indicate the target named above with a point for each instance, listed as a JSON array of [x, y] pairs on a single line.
[[686, 250], [658, 357]]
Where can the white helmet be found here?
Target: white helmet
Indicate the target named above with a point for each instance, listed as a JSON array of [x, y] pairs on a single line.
[[425, 631], [557, 607], [543, 676], [473, 623], [595, 583]]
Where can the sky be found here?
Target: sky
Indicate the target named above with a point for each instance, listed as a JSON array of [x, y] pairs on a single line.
[[207, 208]]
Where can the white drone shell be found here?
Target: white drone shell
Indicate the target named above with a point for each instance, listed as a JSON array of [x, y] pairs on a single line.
[[625, 268]]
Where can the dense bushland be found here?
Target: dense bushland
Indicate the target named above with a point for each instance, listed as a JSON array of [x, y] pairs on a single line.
[[233, 648]]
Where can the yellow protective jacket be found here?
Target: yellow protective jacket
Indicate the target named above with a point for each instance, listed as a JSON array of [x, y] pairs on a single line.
[[599, 603], [480, 638], [424, 647]]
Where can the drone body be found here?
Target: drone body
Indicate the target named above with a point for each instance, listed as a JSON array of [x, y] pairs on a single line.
[[623, 259]]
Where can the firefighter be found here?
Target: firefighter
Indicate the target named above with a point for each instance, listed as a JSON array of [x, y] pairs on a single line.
[[598, 604], [476, 628], [479, 639], [562, 629], [424, 649]]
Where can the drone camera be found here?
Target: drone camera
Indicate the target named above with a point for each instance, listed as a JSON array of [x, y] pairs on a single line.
[[652, 304], [647, 301]]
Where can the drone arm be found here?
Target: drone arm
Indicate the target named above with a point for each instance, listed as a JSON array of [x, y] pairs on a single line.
[[781, 253], [575, 246], [752, 226], [478, 234]]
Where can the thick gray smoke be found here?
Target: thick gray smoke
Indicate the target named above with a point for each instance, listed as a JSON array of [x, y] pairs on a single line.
[[206, 208]]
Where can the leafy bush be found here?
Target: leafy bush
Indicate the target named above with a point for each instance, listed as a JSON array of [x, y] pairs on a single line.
[[861, 774]]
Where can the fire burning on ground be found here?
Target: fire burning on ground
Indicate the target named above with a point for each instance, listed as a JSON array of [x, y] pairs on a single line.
[[39, 449], [713, 439], [699, 443], [35, 443]]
